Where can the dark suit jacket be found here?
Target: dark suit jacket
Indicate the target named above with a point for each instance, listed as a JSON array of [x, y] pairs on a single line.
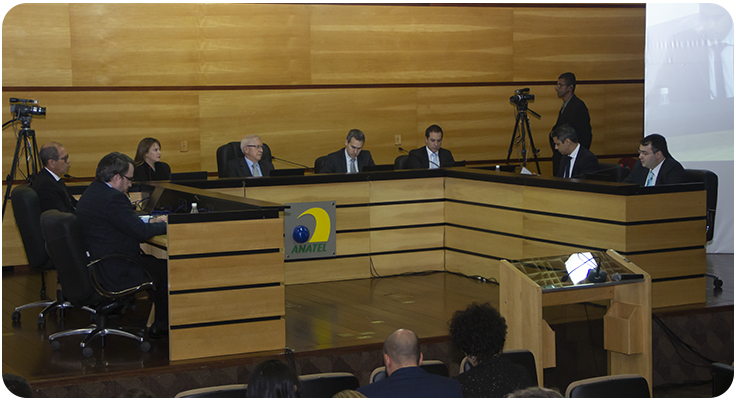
[[585, 163], [335, 162], [671, 172], [239, 168], [493, 378], [418, 158], [576, 114], [413, 382], [144, 172], [109, 225], [53, 194]]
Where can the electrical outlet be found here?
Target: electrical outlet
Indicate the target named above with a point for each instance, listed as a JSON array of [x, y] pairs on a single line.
[[183, 146], [397, 140]]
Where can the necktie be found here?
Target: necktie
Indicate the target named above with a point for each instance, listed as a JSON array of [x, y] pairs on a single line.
[[257, 170], [568, 162], [650, 179], [68, 195], [434, 162], [353, 166]]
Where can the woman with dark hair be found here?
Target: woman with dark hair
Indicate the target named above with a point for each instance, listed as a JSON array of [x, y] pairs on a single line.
[[480, 332], [273, 379], [148, 164]]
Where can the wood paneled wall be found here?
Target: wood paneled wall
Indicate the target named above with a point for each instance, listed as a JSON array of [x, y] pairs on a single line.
[[301, 76]]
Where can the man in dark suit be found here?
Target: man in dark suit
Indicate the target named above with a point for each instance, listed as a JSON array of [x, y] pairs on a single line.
[[576, 159], [109, 225], [51, 190], [352, 158], [574, 112], [655, 165], [405, 378], [252, 164], [432, 155]]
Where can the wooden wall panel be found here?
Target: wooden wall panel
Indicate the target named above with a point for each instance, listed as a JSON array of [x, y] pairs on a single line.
[[199, 342], [223, 271], [249, 303], [315, 271], [225, 236], [410, 262]]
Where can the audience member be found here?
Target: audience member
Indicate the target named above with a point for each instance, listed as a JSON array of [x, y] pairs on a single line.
[[17, 385], [406, 379], [576, 159], [535, 392], [480, 332], [350, 159], [51, 190], [432, 155], [148, 164], [655, 165], [252, 164], [349, 394], [273, 379]]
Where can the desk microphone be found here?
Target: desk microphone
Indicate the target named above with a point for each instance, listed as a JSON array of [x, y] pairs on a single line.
[[71, 176], [422, 158], [625, 277], [289, 162], [592, 172]]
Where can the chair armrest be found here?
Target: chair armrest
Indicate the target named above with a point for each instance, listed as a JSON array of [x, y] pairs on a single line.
[[122, 293]]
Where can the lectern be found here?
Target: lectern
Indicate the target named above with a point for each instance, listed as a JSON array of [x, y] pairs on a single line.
[[530, 284]]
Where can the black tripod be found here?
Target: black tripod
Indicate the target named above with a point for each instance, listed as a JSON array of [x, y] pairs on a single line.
[[27, 140], [522, 120]]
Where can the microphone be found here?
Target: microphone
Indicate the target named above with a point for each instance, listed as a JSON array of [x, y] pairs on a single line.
[[16, 100], [289, 162], [592, 172], [71, 176], [422, 158], [625, 277]]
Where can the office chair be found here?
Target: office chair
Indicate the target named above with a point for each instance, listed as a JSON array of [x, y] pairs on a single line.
[[224, 391], [611, 172], [722, 377], [710, 180], [325, 385], [432, 366], [27, 212], [521, 357], [614, 386], [319, 163], [401, 162], [65, 246], [230, 151]]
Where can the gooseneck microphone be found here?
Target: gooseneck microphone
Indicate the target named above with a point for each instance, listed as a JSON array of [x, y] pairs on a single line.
[[422, 157], [289, 162]]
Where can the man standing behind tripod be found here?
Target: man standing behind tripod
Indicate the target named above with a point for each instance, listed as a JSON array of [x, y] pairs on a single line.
[[51, 190], [574, 113]]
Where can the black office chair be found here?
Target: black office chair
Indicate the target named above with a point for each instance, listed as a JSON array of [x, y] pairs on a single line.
[[521, 357], [710, 180], [401, 162], [230, 151], [27, 212], [325, 385], [614, 386], [611, 172], [319, 163], [432, 366], [722, 377], [224, 391], [78, 276]]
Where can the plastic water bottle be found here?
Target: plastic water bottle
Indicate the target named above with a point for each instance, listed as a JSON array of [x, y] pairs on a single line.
[[194, 208]]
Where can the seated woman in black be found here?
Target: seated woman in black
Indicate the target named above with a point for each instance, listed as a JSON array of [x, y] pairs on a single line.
[[148, 164]]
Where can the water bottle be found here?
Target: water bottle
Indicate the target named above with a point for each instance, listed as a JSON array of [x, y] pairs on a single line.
[[194, 208]]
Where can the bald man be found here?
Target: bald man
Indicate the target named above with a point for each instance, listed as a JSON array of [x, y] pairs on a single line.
[[406, 379]]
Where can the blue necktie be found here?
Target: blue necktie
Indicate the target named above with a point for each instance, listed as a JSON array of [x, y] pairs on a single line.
[[257, 170], [650, 179]]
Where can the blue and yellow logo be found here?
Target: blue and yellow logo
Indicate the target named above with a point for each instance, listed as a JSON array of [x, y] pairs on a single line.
[[317, 242], [309, 229]]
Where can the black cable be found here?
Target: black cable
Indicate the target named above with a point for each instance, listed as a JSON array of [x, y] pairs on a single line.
[[676, 340], [590, 336]]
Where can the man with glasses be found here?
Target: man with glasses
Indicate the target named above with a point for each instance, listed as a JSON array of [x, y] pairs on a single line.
[[352, 158], [51, 190], [252, 165], [573, 112], [109, 225]]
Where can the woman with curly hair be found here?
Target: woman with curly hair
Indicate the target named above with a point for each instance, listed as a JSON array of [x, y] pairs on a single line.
[[479, 331]]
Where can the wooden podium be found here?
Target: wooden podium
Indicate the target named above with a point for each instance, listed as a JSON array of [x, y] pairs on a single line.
[[530, 284]]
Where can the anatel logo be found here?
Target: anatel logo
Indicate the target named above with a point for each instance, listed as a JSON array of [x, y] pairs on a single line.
[[310, 230], [321, 232]]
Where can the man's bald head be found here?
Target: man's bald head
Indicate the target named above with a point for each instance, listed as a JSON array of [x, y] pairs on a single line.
[[402, 349]]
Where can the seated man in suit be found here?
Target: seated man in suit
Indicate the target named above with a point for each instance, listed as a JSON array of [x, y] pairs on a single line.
[[109, 225], [655, 165], [51, 190], [432, 155], [405, 378], [576, 159], [251, 165], [352, 158]]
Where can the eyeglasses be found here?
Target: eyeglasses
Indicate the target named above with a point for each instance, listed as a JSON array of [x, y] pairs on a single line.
[[255, 146], [65, 158], [559, 85], [129, 178]]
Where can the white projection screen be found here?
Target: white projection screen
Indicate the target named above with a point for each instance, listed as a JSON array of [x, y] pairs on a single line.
[[689, 96]]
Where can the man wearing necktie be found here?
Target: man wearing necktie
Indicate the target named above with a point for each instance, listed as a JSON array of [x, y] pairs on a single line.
[[432, 155], [574, 112], [51, 190], [352, 158], [655, 165], [251, 164], [576, 159]]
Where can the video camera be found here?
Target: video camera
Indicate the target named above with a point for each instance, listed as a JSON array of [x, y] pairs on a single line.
[[23, 110], [521, 95]]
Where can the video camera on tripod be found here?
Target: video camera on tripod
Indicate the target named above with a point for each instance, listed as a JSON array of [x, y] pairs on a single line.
[[521, 99]]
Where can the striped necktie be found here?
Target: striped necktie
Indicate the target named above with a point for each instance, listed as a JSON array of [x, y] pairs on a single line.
[[650, 179]]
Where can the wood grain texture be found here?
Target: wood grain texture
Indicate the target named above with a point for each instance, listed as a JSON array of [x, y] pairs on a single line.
[[226, 236], [323, 270], [200, 342], [236, 304], [222, 271]]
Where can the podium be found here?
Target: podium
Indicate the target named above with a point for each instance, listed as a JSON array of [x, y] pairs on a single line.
[[530, 284]]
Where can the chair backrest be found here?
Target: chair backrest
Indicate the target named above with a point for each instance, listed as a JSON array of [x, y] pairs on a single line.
[[225, 391], [610, 172], [27, 213], [435, 367], [722, 377], [65, 246], [325, 385], [521, 357], [230, 151], [400, 162], [319, 163], [614, 386], [710, 180]]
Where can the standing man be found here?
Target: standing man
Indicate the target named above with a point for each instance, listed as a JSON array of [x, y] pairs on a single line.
[[432, 155], [251, 165], [51, 190], [352, 158], [109, 225], [576, 159], [655, 165], [405, 378], [573, 112]]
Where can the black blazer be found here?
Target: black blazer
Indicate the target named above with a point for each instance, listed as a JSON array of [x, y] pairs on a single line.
[[413, 382], [144, 172], [335, 162], [53, 194], [585, 163], [576, 114], [671, 172], [109, 225], [418, 158], [239, 168]]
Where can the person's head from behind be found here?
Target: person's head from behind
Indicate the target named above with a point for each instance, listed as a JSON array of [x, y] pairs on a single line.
[[479, 331], [565, 139], [653, 150], [54, 157], [149, 151], [116, 169], [401, 350], [273, 379], [433, 138], [17, 385], [354, 142], [535, 392]]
